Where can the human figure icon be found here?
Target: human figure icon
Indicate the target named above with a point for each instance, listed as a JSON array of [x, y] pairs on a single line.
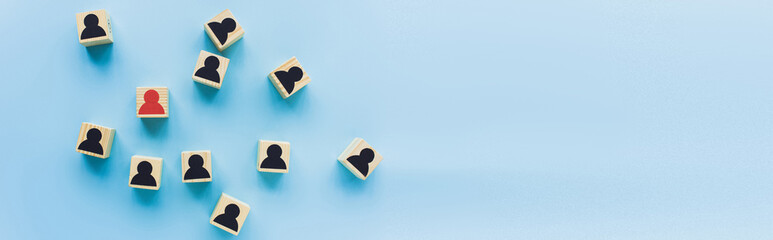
[[222, 28], [228, 218], [274, 158], [196, 170], [289, 77], [360, 162], [143, 176], [209, 71], [92, 29], [91, 144], [151, 105]]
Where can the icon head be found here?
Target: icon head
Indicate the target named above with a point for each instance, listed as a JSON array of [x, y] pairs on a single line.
[[195, 161], [94, 134], [368, 154], [274, 151], [228, 24], [295, 70], [232, 210], [91, 20], [144, 167], [151, 96], [211, 62]]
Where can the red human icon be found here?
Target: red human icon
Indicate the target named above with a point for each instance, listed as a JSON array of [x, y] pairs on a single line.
[[151, 105]]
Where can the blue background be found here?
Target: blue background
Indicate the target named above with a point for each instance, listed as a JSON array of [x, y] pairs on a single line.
[[558, 119]]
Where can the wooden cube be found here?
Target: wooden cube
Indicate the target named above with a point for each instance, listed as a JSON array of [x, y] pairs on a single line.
[[273, 156], [94, 28], [210, 69], [197, 166], [152, 102], [145, 172], [224, 30], [360, 158], [289, 78], [229, 214], [95, 140]]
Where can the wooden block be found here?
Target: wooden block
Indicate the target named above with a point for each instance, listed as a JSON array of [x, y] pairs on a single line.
[[152, 102], [95, 140], [224, 30], [229, 214], [360, 158], [273, 156], [94, 28], [197, 166], [210, 69], [289, 78], [145, 172]]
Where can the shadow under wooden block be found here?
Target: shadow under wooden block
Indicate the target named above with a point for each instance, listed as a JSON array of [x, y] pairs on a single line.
[[101, 54], [154, 126], [271, 180], [199, 189], [96, 165], [146, 197], [208, 92], [348, 181]]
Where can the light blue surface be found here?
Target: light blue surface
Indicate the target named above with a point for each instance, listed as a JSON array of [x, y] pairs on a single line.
[[496, 119]]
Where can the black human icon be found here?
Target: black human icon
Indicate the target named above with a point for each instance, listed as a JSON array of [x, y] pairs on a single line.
[[228, 218], [221, 29], [274, 159], [91, 144], [92, 29], [360, 162], [289, 78], [209, 70], [196, 170], [143, 176]]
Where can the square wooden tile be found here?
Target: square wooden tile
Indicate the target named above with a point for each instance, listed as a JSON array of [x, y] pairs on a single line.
[[229, 214], [210, 69], [273, 156], [197, 166], [224, 30], [95, 140], [94, 28], [145, 172], [360, 158], [289, 78], [152, 102]]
